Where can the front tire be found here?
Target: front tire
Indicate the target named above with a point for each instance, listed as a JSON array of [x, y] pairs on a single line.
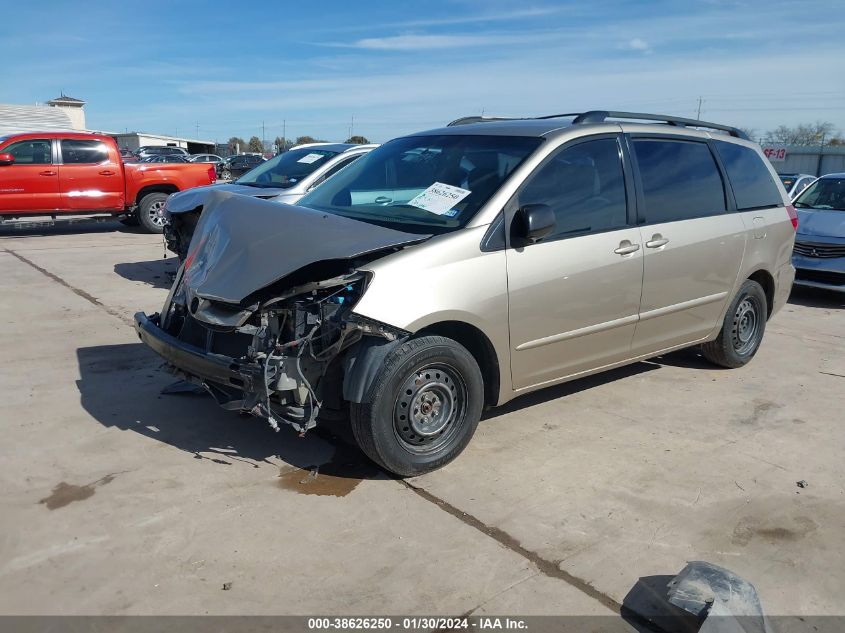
[[742, 330], [151, 212], [423, 407]]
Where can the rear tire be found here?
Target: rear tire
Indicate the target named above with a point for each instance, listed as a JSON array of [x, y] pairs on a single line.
[[423, 407], [742, 330], [151, 212]]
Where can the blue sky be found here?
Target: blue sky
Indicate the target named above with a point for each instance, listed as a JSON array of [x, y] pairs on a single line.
[[220, 69]]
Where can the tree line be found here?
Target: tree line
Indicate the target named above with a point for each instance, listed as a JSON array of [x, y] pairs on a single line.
[[818, 133], [255, 145]]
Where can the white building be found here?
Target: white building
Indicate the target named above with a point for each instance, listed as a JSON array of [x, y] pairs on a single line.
[[74, 108], [134, 140]]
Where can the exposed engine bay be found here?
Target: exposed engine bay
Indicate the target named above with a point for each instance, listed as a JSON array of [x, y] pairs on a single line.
[[261, 312]]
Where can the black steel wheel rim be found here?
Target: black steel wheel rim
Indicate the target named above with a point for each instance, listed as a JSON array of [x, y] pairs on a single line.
[[429, 409], [746, 329]]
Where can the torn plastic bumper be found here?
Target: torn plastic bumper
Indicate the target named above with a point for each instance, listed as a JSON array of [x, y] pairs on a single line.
[[194, 361]]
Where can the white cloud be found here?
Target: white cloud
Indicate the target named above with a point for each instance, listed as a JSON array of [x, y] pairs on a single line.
[[638, 44]]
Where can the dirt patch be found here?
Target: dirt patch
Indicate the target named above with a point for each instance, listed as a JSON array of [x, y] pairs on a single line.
[[750, 528], [335, 478], [65, 493]]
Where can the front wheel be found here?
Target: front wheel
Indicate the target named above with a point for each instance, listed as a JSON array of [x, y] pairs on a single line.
[[225, 174], [422, 408], [742, 330], [151, 212]]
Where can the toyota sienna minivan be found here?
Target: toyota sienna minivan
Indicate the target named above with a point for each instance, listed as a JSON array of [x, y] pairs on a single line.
[[455, 269]]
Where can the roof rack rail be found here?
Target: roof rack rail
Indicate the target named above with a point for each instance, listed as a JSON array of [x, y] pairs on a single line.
[[599, 116], [466, 120]]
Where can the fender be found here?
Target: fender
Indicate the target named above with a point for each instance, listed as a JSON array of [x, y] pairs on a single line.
[[362, 362]]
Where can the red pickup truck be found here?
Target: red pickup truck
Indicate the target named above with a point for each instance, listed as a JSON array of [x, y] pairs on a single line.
[[74, 173]]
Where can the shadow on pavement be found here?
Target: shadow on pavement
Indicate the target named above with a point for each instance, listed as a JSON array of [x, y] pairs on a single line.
[[109, 226], [158, 273], [816, 298], [120, 386], [568, 388]]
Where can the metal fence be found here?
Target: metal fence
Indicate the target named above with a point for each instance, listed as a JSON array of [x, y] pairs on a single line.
[[816, 161]]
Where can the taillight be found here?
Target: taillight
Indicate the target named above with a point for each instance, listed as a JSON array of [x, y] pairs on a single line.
[[212, 174], [793, 216]]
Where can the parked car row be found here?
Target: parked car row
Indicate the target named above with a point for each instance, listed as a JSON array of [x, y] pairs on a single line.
[[456, 269]]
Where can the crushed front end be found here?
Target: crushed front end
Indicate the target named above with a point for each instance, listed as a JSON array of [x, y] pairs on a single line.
[[279, 360], [261, 312]]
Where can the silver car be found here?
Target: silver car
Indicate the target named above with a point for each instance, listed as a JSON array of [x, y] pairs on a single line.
[[284, 178], [455, 269]]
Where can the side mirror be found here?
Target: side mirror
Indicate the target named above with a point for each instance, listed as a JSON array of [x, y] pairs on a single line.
[[534, 222], [6, 159]]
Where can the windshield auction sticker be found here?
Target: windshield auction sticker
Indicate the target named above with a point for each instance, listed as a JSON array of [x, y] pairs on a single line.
[[310, 158], [440, 199]]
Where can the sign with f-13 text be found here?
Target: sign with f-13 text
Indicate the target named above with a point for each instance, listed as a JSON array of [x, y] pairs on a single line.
[[775, 153]]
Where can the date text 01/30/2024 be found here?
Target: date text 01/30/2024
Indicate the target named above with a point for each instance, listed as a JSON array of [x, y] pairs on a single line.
[[417, 623]]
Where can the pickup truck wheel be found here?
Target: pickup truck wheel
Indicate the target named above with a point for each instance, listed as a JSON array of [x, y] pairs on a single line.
[[151, 212], [742, 330], [422, 408]]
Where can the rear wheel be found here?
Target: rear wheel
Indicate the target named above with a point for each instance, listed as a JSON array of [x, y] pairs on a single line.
[[742, 330], [151, 212], [422, 408], [225, 174]]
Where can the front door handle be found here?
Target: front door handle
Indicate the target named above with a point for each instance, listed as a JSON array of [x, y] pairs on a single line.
[[383, 200], [46, 173], [656, 241], [626, 248], [106, 172]]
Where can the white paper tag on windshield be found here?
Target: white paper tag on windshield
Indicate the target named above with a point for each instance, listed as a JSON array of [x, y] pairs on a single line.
[[440, 199], [310, 158]]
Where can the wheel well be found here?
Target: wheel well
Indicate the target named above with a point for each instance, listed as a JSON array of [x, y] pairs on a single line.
[[479, 346], [162, 188], [763, 278]]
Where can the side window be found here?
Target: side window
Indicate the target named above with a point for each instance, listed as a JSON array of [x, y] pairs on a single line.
[[751, 181], [80, 152], [585, 187], [336, 168], [31, 152], [680, 180]]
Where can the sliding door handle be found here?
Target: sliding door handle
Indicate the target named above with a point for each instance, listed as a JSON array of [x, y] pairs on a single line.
[[626, 248], [656, 241]]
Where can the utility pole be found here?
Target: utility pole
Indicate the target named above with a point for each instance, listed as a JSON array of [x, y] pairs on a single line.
[[698, 114], [198, 130]]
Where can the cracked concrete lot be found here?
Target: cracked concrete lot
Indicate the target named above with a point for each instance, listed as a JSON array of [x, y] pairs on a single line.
[[119, 500]]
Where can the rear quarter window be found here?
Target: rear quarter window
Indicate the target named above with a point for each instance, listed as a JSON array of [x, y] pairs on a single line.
[[751, 181]]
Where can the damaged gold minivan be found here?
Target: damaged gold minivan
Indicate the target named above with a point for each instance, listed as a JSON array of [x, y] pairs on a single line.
[[455, 269]]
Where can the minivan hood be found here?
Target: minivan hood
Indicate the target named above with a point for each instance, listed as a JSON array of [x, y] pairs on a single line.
[[821, 222], [242, 245], [188, 200]]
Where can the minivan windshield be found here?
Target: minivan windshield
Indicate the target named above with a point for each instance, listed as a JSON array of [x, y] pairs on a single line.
[[287, 169], [423, 184], [824, 193]]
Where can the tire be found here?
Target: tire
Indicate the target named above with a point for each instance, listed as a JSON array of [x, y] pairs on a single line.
[[742, 330], [423, 407], [225, 174], [149, 216]]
